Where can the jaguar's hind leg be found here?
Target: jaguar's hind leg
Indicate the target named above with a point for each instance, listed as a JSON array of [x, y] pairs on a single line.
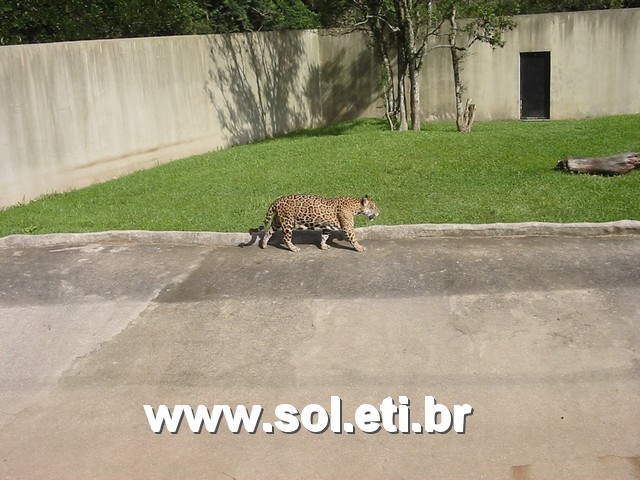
[[267, 235], [323, 240]]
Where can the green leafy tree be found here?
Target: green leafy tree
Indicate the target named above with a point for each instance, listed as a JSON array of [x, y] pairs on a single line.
[[148, 18], [399, 30], [483, 21], [37, 21], [259, 15], [402, 32], [546, 6]]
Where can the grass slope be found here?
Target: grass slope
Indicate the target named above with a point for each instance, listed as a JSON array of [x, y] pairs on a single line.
[[501, 172]]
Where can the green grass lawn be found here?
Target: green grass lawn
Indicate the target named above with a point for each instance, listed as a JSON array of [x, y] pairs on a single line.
[[501, 172]]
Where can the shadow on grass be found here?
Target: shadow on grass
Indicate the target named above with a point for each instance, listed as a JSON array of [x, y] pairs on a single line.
[[366, 126], [343, 128]]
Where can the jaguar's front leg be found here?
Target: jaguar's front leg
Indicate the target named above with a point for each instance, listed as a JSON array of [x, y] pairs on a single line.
[[288, 235], [349, 232], [357, 246]]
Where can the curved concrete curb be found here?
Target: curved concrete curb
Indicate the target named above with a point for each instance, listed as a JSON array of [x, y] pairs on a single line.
[[500, 229], [376, 232]]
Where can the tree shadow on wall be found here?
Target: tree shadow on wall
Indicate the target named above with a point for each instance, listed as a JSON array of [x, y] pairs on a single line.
[[349, 89], [350, 86], [262, 85]]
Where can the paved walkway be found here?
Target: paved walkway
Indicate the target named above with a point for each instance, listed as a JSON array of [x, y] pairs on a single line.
[[540, 335]]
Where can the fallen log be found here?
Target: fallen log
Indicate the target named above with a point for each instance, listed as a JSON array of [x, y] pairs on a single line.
[[614, 165]]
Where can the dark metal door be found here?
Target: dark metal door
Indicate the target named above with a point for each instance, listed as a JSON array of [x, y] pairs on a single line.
[[535, 83]]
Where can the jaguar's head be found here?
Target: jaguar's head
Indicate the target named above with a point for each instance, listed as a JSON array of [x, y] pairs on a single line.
[[369, 208]]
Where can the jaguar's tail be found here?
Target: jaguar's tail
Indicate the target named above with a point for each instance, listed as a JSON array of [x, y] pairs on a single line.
[[268, 217], [255, 231]]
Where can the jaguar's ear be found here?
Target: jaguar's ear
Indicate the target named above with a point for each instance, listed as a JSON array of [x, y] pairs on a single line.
[[364, 200]]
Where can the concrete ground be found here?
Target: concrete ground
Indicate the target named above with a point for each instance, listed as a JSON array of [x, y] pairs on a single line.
[[541, 335]]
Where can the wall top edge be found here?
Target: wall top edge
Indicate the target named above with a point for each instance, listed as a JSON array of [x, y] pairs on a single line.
[[612, 12], [164, 38]]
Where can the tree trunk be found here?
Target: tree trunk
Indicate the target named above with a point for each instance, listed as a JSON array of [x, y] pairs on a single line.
[[402, 103], [614, 165], [410, 47], [467, 117], [403, 61], [456, 57], [389, 92], [415, 98], [388, 87]]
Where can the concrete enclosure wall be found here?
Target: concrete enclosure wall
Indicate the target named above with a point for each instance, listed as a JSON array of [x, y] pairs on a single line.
[[594, 67], [72, 114], [76, 113]]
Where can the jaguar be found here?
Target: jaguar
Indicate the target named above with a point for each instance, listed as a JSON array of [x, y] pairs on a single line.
[[311, 212]]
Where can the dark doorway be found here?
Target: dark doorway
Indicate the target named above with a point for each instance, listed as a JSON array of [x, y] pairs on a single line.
[[535, 83]]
